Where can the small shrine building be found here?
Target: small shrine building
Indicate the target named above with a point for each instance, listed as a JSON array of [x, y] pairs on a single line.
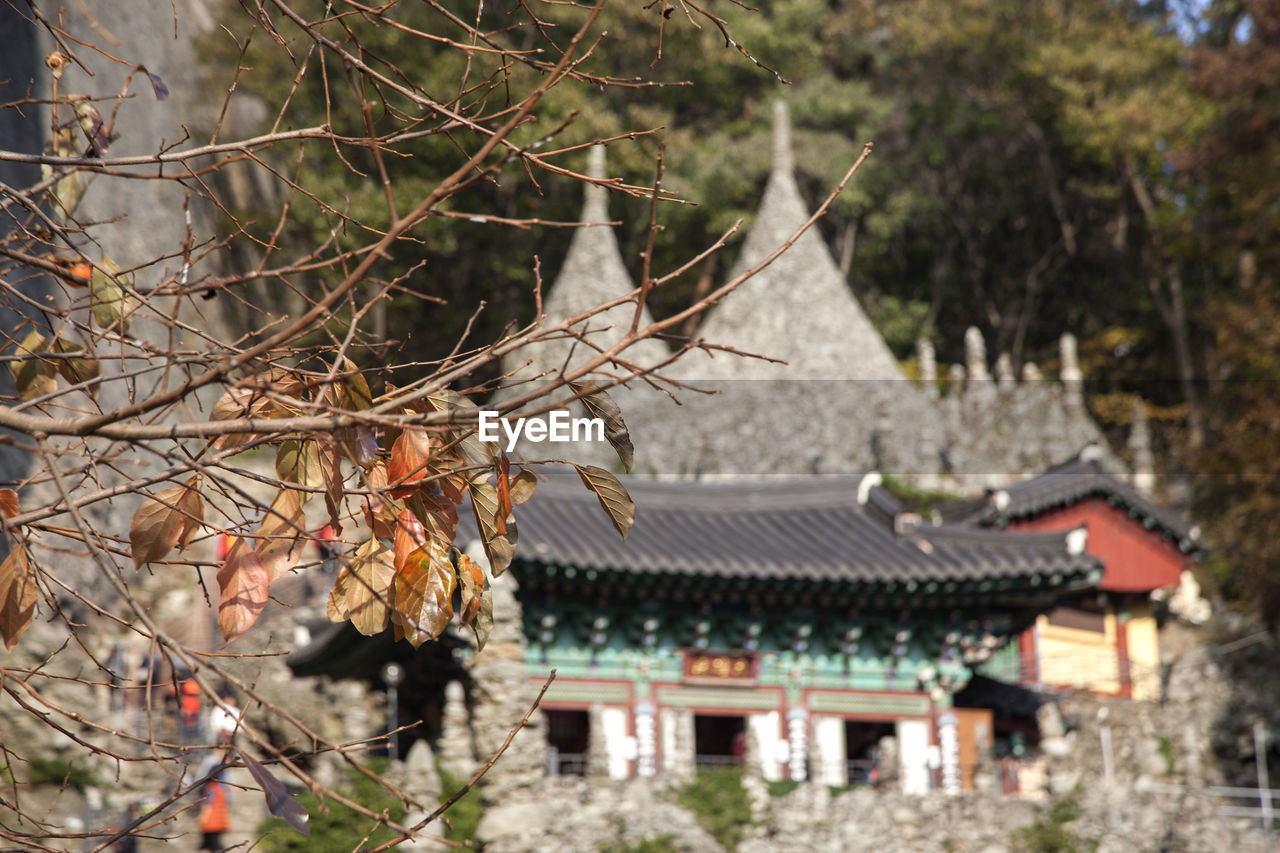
[[1105, 639], [802, 620]]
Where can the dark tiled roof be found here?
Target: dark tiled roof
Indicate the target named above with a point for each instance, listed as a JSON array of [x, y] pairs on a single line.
[[1007, 700], [810, 529], [1067, 484]]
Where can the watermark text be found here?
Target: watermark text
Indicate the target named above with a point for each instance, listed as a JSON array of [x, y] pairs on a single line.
[[559, 426]]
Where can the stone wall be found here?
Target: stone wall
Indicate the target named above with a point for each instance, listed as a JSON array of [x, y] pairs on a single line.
[[813, 819]]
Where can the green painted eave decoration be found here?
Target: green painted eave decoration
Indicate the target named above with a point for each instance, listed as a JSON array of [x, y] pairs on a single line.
[[587, 694], [746, 698], [913, 705]]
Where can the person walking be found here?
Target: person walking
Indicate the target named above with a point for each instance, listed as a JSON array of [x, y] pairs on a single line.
[[129, 843], [190, 703], [215, 814], [224, 722]]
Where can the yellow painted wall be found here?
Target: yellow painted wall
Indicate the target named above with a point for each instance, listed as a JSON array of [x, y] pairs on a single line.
[[1144, 651], [1071, 657], [1074, 658]]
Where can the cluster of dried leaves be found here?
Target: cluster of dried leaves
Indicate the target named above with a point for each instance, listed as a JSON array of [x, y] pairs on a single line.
[[411, 483]]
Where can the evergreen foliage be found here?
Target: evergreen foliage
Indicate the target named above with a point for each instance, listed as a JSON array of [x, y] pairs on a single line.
[[464, 816]]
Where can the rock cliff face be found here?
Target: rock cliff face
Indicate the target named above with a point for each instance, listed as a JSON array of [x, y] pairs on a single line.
[[139, 222]]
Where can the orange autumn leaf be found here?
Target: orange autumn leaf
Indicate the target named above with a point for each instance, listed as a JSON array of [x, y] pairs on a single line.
[[8, 503], [17, 595], [424, 584], [409, 457], [242, 582]]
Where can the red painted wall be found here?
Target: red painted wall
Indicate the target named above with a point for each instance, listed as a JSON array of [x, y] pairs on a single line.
[[1136, 559]]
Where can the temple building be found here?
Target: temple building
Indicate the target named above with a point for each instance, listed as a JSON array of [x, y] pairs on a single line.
[[774, 604], [797, 621]]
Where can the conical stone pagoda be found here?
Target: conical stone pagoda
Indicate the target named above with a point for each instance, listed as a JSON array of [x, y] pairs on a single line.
[[829, 399]]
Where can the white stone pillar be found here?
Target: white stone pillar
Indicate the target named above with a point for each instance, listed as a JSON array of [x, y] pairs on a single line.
[[828, 736], [798, 738], [949, 744], [646, 740], [765, 729]]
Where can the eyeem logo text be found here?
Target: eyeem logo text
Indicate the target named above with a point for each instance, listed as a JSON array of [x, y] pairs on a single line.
[[559, 426]]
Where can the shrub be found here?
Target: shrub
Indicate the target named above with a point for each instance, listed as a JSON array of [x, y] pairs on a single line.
[[57, 771], [781, 787], [464, 816], [1170, 757], [1049, 833], [720, 803]]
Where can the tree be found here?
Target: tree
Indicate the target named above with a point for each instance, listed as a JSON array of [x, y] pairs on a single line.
[[138, 405], [1237, 62]]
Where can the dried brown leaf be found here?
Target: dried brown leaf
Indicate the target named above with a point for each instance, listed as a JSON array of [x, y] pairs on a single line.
[[279, 801], [336, 610], [163, 521], [91, 124], [368, 594], [243, 583], [17, 595], [612, 494], [279, 539], [298, 461], [75, 369], [331, 476], [380, 510], [600, 405], [499, 547], [351, 394], [477, 599], [522, 486]]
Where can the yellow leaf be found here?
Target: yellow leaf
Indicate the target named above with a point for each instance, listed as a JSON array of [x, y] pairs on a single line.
[[368, 594], [279, 539], [109, 299], [32, 375]]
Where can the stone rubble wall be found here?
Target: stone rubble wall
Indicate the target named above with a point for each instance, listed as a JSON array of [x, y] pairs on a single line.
[[811, 819]]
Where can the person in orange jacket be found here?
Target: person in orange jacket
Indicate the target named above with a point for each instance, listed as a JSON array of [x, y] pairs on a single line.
[[215, 814], [191, 703]]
